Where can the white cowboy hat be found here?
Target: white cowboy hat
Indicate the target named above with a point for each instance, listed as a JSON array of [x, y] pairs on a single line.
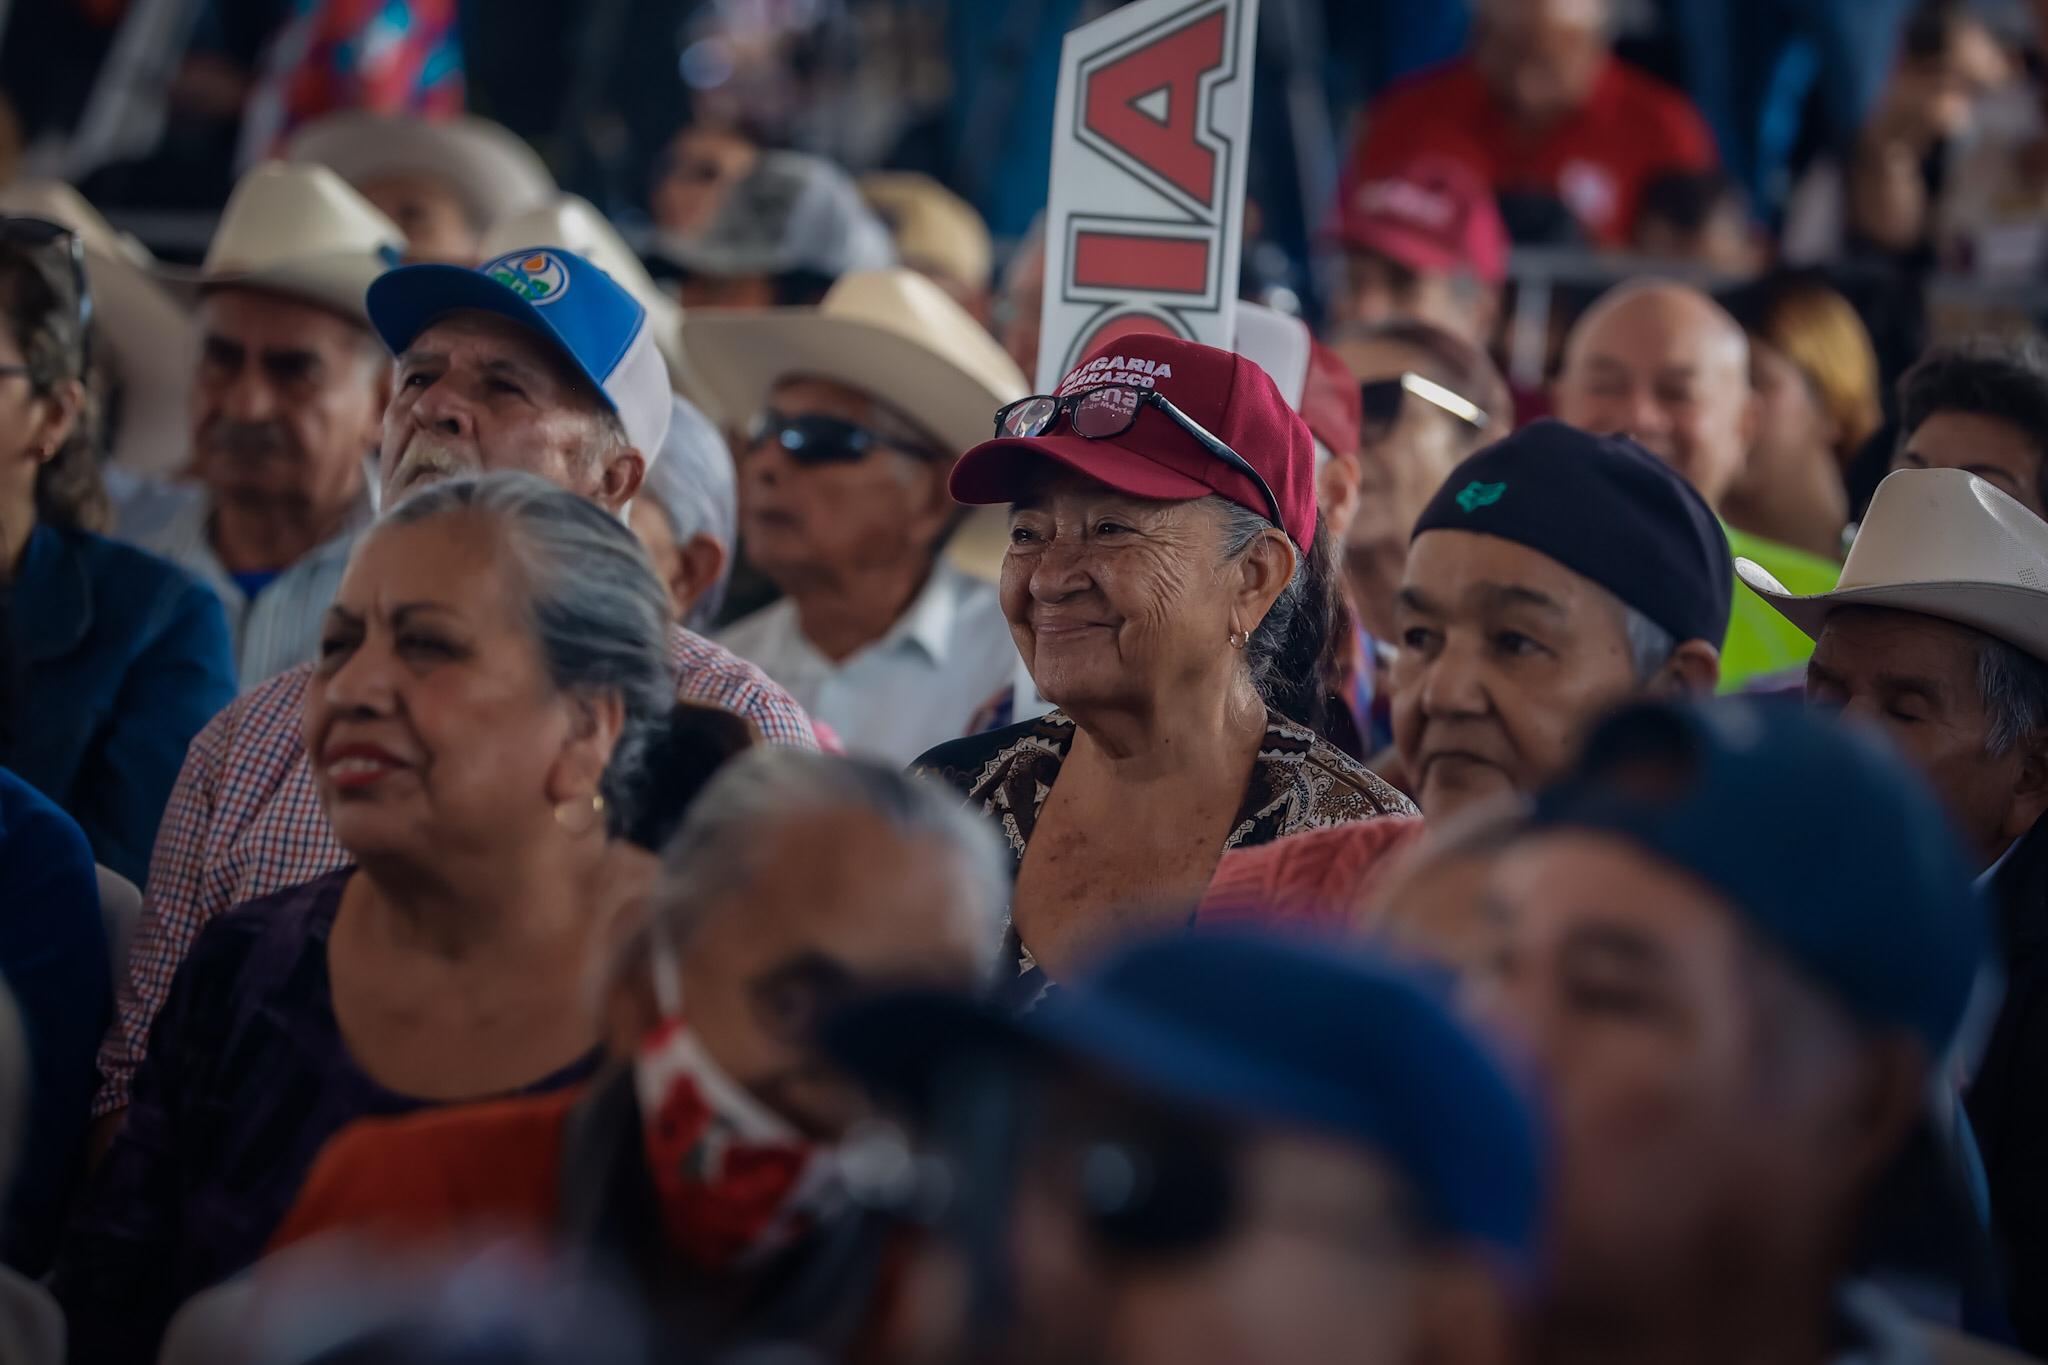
[[1943, 543], [488, 167], [298, 231], [140, 327], [891, 333], [567, 220]]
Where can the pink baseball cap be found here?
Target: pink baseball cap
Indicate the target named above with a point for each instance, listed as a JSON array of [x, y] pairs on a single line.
[[1434, 216], [1228, 396]]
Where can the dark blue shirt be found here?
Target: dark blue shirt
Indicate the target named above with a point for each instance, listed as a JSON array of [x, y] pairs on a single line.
[[53, 954]]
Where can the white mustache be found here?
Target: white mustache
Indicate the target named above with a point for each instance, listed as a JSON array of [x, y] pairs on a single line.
[[430, 462]]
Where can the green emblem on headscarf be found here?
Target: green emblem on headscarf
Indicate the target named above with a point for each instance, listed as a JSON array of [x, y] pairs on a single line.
[[1477, 495]]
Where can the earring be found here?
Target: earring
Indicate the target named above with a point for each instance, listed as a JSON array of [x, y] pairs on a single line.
[[1240, 638], [566, 814]]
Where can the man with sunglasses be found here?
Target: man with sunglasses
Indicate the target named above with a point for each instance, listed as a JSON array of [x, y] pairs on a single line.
[[858, 409], [1216, 1149]]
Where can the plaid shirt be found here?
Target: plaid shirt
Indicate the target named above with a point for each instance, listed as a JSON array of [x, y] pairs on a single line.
[[245, 820]]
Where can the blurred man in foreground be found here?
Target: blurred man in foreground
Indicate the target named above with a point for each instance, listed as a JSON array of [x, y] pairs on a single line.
[[1737, 1050], [1217, 1149]]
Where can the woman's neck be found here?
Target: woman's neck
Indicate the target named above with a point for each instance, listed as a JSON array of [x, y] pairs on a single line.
[[1177, 733], [458, 909], [16, 526]]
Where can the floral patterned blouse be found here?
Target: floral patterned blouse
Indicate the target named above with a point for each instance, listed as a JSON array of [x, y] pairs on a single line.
[[1299, 782]]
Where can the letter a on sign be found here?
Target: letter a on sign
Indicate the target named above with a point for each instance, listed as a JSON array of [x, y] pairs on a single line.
[[1146, 217]]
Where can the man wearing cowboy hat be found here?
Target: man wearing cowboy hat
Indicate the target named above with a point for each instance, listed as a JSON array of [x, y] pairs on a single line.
[[859, 407], [444, 183], [1937, 632], [285, 408]]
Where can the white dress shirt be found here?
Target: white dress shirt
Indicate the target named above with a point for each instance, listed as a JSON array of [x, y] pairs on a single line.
[[915, 687]]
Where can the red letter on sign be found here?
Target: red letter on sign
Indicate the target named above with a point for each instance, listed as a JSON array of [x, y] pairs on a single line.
[[1165, 144]]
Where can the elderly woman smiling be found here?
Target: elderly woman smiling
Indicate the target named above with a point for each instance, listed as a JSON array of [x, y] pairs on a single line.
[[1169, 590], [494, 661]]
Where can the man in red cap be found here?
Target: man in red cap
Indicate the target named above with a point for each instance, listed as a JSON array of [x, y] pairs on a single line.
[[1422, 243], [1541, 107]]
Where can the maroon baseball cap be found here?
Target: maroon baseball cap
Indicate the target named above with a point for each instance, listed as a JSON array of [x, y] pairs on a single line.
[[1229, 396], [1434, 216]]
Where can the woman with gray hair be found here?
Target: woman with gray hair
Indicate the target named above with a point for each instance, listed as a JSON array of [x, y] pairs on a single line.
[[1169, 589], [492, 666], [687, 515]]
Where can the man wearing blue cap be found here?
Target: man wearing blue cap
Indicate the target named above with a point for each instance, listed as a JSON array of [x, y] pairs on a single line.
[[1230, 1150], [1554, 576], [535, 361], [1737, 941]]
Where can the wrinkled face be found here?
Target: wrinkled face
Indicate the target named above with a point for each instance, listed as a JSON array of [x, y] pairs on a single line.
[[1113, 598], [1666, 367], [834, 521], [1403, 465], [1994, 450], [1915, 677], [1793, 429], [427, 665], [1540, 58], [1380, 290], [285, 401], [1310, 1261], [1627, 982], [477, 394], [701, 166], [837, 904], [1506, 659], [430, 214]]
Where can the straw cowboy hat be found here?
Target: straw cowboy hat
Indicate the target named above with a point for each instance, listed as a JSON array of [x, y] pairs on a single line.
[[298, 231], [566, 220], [142, 330], [485, 164], [892, 333], [1943, 543], [935, 229]]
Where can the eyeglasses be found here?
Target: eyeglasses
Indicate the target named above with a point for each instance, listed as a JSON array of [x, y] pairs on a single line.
[[1382, 400], [1108, 411], [816, 440], [40, 234]]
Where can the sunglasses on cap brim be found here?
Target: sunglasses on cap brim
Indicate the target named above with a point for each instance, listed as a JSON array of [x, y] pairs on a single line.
[[820, 440], [1382, 399], [1106, 412]]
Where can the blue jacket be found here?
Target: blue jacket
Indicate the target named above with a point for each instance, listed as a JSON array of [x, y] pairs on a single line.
[[125, 658], [53, 956]]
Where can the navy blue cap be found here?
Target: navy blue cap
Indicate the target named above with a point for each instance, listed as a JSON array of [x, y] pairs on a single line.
[[1826, 842], [584, 314], [1266, 1031], [1606, 509]]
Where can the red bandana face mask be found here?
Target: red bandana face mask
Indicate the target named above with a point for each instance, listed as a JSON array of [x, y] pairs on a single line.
[[737, 1182]]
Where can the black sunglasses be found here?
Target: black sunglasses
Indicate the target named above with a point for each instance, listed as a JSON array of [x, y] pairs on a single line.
[[822, 440], [1110, 410], [1382, 399]]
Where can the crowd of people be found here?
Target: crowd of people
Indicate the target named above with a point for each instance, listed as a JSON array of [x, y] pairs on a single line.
[[570, 803]]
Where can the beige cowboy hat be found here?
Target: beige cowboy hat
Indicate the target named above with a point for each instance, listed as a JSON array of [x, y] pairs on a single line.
[[488, 167], [892, 333], [300, 231], [935, 229], [566, 220], [145, 333], [1943, 543]]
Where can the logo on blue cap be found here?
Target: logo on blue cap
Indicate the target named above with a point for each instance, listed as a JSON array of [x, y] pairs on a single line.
[[539, 277], [1476, 495]]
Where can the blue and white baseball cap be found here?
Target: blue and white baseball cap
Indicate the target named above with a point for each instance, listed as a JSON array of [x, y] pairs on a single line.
[[586, 315]]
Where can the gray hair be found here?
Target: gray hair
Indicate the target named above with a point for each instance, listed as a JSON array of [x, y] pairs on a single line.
[[599, 614], [1286, 648], [1650, 646], [2014, 689], [692, 482], [720, 846]]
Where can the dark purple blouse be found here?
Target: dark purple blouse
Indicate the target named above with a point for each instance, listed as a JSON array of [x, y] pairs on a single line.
[[246, 1078]]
